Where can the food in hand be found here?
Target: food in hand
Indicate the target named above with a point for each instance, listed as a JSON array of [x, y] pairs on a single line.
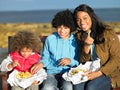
[[21, 75]]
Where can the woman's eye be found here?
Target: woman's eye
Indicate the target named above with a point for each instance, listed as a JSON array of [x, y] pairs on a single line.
[[85, 18], [77, 20]]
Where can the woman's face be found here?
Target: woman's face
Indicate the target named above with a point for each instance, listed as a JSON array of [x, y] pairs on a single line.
[[84, 20], [63, 31]]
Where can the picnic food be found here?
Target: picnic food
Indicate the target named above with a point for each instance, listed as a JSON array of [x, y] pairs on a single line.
[[21, 75], [75, 71]]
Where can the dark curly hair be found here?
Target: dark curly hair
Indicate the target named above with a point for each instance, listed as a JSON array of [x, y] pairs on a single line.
[[98, 27], [65, 18], [26, 39]]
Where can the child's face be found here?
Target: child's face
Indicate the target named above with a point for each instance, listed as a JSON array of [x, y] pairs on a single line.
[[25, 52], [63, 31]]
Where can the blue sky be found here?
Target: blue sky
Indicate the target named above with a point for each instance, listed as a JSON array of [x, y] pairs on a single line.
[[21, 5]]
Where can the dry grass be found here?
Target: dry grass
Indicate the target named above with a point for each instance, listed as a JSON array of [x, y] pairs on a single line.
[[9, 29], [115, 25], [41, 29]]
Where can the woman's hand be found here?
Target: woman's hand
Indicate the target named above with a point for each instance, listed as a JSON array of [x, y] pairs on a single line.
[[36, 68], [93, 75], [64, 62], [89, 40]]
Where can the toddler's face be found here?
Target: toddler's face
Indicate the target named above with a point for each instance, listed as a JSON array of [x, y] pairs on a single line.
[[25, 52]]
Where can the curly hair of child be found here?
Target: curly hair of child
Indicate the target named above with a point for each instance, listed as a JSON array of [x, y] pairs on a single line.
[[26, 39], [64, 18]]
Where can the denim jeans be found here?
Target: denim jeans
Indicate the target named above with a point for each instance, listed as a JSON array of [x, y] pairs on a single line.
[[56, 82], [100, 83], [32, 87]]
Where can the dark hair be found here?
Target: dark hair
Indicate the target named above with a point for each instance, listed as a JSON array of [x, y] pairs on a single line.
[[26, 39], [97, 28], [64, 18]]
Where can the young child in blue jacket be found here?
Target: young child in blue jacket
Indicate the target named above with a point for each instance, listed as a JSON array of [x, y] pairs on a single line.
[[60, 52]]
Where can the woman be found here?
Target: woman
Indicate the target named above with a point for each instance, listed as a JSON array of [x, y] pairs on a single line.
[[60, 52], [97, 40]]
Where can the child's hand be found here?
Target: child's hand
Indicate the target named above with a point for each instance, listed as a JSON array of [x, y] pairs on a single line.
[[35, 68], [64, 61], [35, 82], [13, 64]]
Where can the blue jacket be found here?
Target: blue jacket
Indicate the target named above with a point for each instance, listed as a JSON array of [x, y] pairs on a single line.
[[56, 48]]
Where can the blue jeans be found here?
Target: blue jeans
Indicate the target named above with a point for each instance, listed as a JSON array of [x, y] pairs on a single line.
[[32, 87], [100, 83], [56, 82]]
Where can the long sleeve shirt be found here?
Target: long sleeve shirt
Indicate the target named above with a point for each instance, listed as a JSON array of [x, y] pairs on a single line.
[[55, 49]]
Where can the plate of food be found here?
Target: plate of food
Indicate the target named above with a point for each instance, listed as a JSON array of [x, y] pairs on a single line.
[[23, 75], [76, 70]]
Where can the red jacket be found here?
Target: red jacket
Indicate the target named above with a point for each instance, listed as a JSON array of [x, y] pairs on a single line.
[[25, 63]]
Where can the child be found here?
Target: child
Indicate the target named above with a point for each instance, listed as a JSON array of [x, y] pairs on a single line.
[[25, 48], [60, 52]]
